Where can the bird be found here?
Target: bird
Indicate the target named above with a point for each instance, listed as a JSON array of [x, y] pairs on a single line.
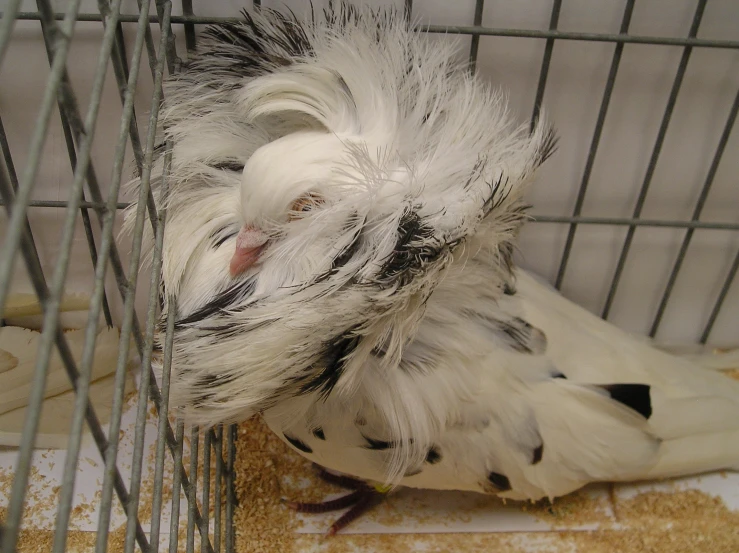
[[343, 200]]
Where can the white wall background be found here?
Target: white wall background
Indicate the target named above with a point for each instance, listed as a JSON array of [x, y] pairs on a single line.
[[574, 90]]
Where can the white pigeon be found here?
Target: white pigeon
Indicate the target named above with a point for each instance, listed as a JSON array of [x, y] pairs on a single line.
[[342, 209]]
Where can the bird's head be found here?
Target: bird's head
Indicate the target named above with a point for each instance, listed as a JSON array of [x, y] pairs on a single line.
[[373, 178], [320, 206], [317, 198], [303, 209]]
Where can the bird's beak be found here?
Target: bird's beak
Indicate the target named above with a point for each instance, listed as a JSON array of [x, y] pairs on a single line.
[[249, 245]]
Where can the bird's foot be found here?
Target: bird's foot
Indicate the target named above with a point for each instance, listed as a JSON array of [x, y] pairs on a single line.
[[359, 501]]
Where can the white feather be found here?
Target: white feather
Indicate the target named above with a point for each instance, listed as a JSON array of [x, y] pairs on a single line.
[[379, 315]]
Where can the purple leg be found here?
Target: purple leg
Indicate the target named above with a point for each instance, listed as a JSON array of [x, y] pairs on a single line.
[[327, 506], [339, 480], [361, 500], [369, 499]]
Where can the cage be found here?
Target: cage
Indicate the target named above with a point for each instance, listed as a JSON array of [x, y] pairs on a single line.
[[635, 218]]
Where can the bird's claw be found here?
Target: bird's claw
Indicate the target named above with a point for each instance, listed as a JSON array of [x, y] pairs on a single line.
[[359, 501]]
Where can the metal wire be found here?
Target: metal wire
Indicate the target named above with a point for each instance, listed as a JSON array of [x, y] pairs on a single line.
[[631, 222], [6, 26], [165, 23], [205, 545], [594, 143], [720, 148], [146, 373], [475, 41], [677, 83], [231, 488], [536, 218], [730, 278], [102, 536], [120, 69], [33, 265], [83, 382], [150, 49], [545, 62], [127, 288], [469, 30], [50, 297], [71, 141], [57, 30], [30, 254], [189, 27], [217, 496], [156, 501], [38, 138], [192, 492], [176, 480]]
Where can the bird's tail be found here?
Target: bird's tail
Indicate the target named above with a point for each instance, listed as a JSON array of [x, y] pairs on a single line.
[[699, 432], [693, 412], [716, 361], [697, 454]]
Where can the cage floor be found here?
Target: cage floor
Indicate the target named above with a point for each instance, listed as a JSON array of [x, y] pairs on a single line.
[[690, 514], [45, 484]]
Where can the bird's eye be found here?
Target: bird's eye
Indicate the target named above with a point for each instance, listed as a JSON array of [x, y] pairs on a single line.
[[304, 203]]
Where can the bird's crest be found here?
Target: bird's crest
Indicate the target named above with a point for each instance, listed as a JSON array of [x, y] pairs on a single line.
[[429, 169]]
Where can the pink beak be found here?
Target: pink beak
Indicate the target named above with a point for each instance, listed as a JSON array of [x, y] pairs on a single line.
[[249, 245]]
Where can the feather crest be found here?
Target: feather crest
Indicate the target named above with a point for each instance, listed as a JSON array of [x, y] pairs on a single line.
[[426, 169]]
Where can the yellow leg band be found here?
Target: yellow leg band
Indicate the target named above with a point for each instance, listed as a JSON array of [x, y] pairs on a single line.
[[382, 488]]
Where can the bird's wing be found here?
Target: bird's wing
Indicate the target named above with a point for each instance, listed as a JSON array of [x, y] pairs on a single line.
[[620, 408]]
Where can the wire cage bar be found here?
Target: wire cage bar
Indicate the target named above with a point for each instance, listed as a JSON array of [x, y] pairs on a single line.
[[86, 200]]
